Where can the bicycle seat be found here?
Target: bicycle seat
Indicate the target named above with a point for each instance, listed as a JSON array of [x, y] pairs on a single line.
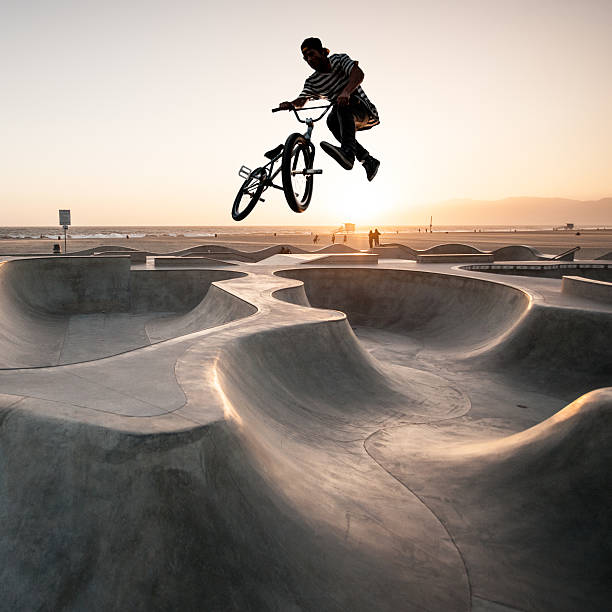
[[274, 152]]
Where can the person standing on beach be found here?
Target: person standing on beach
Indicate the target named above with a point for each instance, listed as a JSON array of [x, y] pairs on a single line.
[[338, 79], [376, 235]]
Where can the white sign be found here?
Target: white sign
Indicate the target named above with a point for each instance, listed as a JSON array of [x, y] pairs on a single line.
[[64, 217]]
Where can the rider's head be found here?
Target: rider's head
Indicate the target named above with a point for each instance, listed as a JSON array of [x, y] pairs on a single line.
[[314, 53]]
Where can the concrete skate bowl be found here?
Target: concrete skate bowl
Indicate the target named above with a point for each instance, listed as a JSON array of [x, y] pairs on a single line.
[[56, 311], [442, 312], [484, 325]]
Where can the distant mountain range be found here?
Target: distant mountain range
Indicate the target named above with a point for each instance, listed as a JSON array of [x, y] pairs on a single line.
[[519, 211]]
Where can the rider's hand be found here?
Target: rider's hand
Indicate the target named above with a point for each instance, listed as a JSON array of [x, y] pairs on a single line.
[[285, 106], [343, 99]]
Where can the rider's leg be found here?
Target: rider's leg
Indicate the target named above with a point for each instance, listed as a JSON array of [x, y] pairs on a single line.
[[341, 122], [362, 120]]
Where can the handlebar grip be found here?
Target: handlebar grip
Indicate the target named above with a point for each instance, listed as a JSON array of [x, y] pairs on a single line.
[[275, 110]]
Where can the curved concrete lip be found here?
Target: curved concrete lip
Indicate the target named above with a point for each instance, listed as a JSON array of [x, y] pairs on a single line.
[[337, 437]]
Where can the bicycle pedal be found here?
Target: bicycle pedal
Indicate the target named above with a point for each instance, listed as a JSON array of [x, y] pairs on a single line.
[[307, 172]]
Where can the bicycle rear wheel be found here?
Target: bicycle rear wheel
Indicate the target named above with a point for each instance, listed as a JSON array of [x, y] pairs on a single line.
[[249, 194], [298, 156]]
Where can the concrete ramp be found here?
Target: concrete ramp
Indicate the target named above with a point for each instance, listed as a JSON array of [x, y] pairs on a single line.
[[449, 248], [217, 308], [563, 349], [29, 337], [517, 253], [530, 510]]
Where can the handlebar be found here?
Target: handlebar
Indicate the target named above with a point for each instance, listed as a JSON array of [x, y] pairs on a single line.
[[305, 108]]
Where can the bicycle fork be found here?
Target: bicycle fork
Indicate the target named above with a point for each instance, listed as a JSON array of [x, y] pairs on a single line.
[[307, 135]]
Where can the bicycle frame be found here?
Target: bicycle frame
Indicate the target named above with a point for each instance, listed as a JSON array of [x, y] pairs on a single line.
[[245, 172]]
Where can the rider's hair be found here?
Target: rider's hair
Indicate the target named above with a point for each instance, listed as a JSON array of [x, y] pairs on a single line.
[[313, 43]]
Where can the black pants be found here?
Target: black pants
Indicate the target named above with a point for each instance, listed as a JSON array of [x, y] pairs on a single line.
[[344, 121]]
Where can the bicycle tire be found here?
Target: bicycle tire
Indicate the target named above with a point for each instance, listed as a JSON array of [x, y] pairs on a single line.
[[297, 154], [250, 192]]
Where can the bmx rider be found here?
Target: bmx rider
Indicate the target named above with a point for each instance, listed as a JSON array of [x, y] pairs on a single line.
[[338, 78]]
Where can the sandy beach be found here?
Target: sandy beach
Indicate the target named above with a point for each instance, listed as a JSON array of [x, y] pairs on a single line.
[[592, 243]]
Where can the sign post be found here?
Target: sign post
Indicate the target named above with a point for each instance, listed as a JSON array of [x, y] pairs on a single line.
[[64, 219]]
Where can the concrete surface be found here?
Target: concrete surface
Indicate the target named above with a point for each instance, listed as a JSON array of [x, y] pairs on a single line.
[[388, 437], [188, 262], [454, 258], [596, 270], [584, 287]]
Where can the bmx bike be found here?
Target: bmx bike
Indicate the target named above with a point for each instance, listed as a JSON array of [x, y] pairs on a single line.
[[296, 158]]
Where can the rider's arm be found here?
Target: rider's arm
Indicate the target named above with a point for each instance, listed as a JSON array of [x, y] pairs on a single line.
[[355, 79], [297, 103]]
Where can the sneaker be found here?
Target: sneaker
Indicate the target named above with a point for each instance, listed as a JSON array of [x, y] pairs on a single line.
[[371, 165], [345, 159]]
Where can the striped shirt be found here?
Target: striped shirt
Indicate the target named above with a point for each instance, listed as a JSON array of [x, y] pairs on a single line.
[[329, 85]]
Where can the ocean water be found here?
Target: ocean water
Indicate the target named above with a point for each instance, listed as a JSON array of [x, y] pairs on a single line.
[[135, 231]]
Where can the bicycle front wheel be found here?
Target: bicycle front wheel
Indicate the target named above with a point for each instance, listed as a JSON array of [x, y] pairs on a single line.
[[298, 157], [249, 194]]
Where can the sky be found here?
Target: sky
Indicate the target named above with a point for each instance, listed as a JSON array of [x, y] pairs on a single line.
[[141, 112]]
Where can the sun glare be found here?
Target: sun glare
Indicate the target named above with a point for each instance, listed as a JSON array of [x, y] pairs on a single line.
[[362, 204]]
